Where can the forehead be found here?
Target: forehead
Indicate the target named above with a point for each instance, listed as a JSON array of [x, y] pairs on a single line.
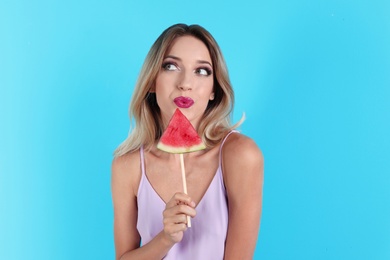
[[189, 46]]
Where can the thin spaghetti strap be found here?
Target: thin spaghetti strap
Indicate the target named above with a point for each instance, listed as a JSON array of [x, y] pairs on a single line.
[[143, 174], [141, 152], [220, 148]]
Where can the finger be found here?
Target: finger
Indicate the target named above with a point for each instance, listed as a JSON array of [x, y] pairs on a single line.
[[175, 219], [179, 209], [175, 228], [180, 198]]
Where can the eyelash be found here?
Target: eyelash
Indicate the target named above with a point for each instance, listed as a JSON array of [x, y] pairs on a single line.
[[165, 64], [208, 71]]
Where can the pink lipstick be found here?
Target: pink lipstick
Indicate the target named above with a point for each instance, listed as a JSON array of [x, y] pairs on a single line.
[[183, 102]]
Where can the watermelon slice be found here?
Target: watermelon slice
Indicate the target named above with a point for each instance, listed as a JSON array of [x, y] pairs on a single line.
[[180, 136]]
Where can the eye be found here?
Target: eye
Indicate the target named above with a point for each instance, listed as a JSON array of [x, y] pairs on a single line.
[[204, 71], [169, 66]]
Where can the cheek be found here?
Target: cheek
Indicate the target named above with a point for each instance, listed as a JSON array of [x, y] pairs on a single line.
[[159, 85], [164, 81], [209, 87], [162, 89]]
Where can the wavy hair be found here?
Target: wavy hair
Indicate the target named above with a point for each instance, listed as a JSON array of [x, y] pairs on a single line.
[[145, 117]]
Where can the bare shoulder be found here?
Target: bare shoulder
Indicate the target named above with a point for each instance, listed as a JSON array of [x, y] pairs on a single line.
[[125, 170], [126, 161], [242, 163], [241, 149]]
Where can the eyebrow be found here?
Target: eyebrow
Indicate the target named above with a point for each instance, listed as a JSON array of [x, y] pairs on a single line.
[[198, 61]]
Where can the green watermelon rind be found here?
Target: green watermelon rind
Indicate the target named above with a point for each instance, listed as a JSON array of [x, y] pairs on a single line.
[[173, 149]]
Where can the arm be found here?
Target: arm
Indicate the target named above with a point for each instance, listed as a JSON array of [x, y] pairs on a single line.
[[243, 168], [126, 176]]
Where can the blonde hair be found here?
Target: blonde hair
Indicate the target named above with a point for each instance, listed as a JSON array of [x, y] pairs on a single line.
[[148, 125]]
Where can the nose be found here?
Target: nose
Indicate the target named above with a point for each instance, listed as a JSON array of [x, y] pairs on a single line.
[[184, 87], [185, 82]]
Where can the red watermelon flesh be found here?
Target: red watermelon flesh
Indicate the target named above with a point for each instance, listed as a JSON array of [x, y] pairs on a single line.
[[180, 136]]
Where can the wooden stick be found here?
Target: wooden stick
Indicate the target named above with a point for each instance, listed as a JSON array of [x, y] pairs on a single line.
[[183, 176]]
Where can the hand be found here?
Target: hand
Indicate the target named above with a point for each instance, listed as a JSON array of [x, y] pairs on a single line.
[[175, 216]]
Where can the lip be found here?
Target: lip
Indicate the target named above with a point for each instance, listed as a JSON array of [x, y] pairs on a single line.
[[183, 102]]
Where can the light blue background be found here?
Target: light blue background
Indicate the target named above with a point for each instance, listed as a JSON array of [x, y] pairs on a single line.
[[313, 78]]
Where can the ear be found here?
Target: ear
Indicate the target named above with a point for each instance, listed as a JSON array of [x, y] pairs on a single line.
[[212, 96]]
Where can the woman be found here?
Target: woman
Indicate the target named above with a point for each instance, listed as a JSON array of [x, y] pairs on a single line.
[[185, 69]]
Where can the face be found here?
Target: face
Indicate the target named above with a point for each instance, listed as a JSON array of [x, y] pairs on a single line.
[[185, 80]]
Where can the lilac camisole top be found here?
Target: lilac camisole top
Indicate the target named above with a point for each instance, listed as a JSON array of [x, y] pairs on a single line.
[[205, 239]]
